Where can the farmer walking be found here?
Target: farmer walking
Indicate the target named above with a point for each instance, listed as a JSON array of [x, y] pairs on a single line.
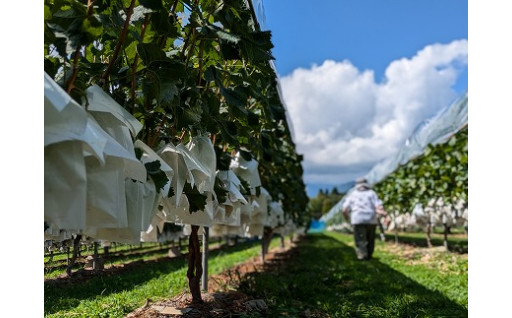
[[363, 205]]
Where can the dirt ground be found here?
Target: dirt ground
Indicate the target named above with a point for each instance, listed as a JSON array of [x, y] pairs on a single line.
[[223, 299]]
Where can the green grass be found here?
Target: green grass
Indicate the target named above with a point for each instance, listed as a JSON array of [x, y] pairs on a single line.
[[53, 270], [323, 276], [119, 294], [114, 249], [457, 243], [121, 255]]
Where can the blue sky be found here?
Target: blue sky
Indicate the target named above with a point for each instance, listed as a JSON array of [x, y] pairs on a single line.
[[369, 33], [358, 76]]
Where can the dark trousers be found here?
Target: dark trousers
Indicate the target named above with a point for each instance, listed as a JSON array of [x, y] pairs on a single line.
[[364, 237]]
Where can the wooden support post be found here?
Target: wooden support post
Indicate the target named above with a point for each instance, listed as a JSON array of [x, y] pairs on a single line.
[[195, 270], [396, 228], [97, 262], [67, 257], [265, 242], [204, 278], [429, 230], [76, 246], [446, 229]]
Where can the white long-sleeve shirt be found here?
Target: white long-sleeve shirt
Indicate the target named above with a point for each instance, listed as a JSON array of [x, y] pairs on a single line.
[[362, 205]]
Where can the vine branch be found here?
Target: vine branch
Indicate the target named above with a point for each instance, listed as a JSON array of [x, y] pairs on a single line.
[[71, 83], [136, 59], [200, 58], [120, 42], [174, 6], [157, 131]]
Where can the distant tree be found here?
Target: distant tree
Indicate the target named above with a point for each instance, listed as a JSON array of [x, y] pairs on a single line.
[[315, 206], [324, 201], [326, 206]]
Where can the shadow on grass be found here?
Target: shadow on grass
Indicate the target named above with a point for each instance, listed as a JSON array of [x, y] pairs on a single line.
[[114, 249], [456, 245], [126, 256], [66, 293], [322, 277]]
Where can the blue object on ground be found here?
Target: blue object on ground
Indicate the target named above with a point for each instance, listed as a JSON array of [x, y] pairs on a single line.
[[316, 226]]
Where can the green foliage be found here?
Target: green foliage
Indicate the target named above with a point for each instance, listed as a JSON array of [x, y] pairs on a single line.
[[210, 75], [196, 200], [323, 202], [221, 193], [441, 171], [156, 174], [245, 188]]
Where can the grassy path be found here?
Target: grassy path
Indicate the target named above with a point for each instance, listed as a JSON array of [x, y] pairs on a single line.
[[119, 294], [322, 276], [319, 278]]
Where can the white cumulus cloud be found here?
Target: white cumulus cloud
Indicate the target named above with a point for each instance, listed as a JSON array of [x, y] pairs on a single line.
[[345, 122]]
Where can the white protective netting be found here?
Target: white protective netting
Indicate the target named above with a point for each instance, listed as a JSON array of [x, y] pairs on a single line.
[[434, 130]]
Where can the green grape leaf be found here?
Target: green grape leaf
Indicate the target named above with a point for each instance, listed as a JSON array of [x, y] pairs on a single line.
[[152, 4], [196, 200], [220, 190], [151, 52], [156, 174]]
